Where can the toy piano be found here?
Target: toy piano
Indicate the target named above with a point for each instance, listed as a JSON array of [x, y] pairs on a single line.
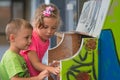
[[77, 52]]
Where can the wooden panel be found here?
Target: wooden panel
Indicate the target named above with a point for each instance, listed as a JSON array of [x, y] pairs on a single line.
[[69, 44]]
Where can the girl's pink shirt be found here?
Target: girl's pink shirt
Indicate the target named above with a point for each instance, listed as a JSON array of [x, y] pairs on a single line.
[[39, 47]]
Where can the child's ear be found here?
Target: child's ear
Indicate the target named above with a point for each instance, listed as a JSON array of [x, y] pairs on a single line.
[[12, 37]]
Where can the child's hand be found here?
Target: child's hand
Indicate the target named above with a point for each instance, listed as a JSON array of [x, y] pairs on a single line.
[[54, 70], [43, 74], [55, 64]]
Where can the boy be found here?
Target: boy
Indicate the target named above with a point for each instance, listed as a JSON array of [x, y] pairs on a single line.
[[18, 33]]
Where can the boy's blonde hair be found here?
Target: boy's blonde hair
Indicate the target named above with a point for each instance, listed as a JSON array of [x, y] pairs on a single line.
[[15, 25], [46, 10]]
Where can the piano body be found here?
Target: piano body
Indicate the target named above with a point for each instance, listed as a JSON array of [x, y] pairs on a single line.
[[78, 57]]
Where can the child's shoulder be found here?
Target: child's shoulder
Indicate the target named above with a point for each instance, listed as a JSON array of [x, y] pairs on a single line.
[[8, 55]]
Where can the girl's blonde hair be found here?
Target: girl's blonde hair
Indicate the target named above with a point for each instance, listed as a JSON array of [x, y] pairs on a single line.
[[46, 10]]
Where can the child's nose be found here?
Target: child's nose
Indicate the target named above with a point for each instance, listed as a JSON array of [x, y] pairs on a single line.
[[49, 30]]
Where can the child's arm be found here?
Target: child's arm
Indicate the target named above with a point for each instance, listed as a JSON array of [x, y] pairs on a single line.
[[41, 76], [32, 55]]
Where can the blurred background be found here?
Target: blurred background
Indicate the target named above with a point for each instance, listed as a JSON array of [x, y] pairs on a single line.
[[69, 9]]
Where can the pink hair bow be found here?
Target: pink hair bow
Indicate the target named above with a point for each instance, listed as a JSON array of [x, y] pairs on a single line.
[[47, 11]]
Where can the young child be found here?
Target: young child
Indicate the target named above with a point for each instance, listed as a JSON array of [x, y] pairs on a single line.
[[45, 23], [19, 33]]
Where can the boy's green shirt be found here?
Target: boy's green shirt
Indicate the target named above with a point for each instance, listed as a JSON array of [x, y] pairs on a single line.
[[13, 64]]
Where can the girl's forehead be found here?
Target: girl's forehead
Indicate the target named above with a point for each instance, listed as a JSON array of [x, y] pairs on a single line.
[[49, 20]]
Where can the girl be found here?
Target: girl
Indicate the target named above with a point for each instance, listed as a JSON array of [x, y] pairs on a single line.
[[45, 22]]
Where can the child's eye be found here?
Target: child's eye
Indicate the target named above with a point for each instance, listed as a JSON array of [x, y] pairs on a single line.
[[54, 28], [45, 26], [27, 37]]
